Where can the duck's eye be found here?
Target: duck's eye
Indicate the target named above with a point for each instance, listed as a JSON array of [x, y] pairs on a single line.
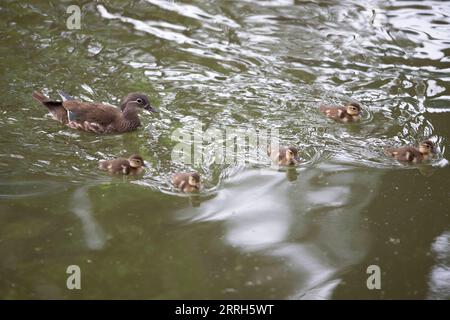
[[139, 100]]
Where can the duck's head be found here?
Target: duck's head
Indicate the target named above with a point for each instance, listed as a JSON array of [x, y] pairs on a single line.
[[426, 147], [194, 180], [292, 155], [136, 100], [353, 109], [136, 161]]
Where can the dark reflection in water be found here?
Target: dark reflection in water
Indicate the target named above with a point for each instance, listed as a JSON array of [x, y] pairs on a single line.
[[255, 232]]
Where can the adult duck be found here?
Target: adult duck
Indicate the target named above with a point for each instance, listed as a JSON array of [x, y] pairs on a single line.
[[97, 117]]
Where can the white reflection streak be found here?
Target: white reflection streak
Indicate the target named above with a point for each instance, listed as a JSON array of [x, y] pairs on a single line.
[[81, 207], [335, 195], [252, 216], [440, 274], [438, 110], [193, 12]]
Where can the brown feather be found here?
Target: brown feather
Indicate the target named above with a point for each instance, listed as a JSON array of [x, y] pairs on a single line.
[[119, 166], [115, 165], [93, 112], [96, 117], [337, 113], [405, 154]]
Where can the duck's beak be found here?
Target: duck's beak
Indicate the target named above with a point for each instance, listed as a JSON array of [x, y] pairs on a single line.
[[148, 107], [297, 159]]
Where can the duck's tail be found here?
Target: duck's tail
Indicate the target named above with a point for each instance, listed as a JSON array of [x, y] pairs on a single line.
[[40, 97], [55, 107]]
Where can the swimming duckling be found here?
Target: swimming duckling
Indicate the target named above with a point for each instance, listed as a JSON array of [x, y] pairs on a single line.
[[187, 181], [412, 154], [97, 117], [284, 156], [349, 113], [131, 166]]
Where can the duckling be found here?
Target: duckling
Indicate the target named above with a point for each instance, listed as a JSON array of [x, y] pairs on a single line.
[[349, 113], [187, 181], [284, 155], [131, 166], [412, 154], [97, 117]]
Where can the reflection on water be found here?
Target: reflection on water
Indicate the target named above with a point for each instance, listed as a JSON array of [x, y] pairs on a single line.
[[255, 232], [82, 208], [313, 224]]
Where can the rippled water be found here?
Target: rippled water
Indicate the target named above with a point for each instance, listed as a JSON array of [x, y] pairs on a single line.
[[255, 232]]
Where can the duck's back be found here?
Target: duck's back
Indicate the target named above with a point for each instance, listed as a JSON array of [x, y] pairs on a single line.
[[334, 112], [91, 112], [119, 165], [405, 154]]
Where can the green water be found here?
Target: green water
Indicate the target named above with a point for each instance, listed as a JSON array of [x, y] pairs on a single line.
[[254, 232]]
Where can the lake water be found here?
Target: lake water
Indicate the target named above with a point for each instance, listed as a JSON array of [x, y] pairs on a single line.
[[254, 231]]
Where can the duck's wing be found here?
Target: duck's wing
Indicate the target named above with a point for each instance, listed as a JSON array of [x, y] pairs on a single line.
[[409, 154], [403, 153], [333, 111], [391, 151], [101, 114], [121, 165], [115, 166]]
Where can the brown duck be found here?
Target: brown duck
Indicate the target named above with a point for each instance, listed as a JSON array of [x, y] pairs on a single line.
[[97, 117], [348, 113], [284, 155], [187, 181], [131, 166], [412, 154]]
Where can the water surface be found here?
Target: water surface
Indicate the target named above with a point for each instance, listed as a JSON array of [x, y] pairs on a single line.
[[255, 232]]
